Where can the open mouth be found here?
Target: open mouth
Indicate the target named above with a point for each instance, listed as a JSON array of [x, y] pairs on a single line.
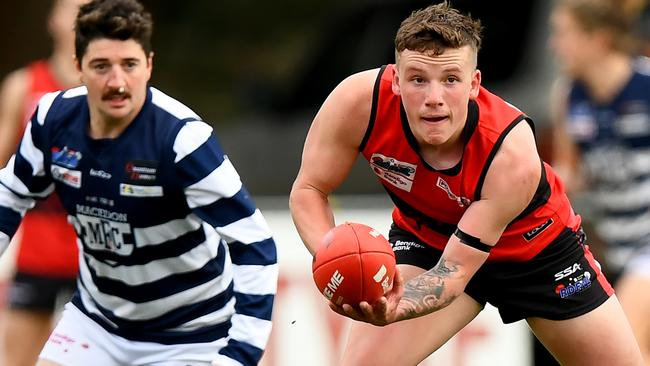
[[434, 119], [116, 100]]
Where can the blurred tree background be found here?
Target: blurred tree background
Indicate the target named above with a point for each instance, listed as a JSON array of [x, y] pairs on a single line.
[[259, 70]]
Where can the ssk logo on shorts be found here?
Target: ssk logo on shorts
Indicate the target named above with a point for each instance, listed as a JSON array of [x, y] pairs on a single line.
[[141, 172], [66, 157], [568, 271], [398, 173], [66, 176]]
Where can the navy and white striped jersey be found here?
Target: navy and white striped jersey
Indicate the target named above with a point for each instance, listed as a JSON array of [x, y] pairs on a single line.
[[614, 142], [173, 248]]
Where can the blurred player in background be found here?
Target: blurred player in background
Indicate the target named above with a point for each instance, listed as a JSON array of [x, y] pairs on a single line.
[[46, 264], [601, 135], [478, 216], [642, 31], [179, 267]]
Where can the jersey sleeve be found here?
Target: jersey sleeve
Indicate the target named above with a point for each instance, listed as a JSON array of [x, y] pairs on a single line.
[[25, 179], [215, 193]]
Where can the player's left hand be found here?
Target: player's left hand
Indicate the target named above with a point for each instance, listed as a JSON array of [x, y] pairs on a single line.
[[381, 312]]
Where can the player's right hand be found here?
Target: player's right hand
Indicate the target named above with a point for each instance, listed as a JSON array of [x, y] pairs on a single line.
[[380, 313]]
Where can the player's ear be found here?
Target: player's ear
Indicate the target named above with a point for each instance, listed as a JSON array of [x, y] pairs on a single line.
[[150, 64], [475, 84], [395, 83], [77, 63]]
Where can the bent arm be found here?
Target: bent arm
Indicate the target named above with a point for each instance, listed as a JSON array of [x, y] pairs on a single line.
[[331, 148], [509, 187]]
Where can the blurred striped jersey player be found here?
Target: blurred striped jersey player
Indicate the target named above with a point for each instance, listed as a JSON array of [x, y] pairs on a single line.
[[177, 266]]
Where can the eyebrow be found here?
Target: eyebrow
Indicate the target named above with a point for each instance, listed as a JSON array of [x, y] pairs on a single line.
[[450, 68], [104, 59]]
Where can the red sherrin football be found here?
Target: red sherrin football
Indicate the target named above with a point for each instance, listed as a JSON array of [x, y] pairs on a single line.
[[354, 263]]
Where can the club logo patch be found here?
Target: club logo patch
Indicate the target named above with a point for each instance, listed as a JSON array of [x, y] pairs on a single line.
[[397, 173], [462, 201], [66, 157]]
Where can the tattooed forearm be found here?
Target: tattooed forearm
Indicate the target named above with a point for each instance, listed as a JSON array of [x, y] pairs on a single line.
[[429, 291]]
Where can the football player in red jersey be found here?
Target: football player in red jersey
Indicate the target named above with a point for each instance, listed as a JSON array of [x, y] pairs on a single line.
[[487, 219]]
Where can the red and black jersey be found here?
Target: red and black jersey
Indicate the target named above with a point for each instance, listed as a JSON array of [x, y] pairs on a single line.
[[430, 203], [48, 244], [41, 81]]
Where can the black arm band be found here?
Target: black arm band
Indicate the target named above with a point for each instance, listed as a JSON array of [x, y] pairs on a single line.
[[472, 241]]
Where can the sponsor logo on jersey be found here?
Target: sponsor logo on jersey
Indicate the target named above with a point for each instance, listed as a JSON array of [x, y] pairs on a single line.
[[103, 230], [100, 174], [131, 190], [66, 176], [397, 173], [462, 201], [405, 245], [141, 172], [66, 157], [538, 230]]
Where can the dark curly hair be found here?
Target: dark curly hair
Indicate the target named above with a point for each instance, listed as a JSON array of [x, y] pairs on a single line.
[[112, 19], [436, 28]]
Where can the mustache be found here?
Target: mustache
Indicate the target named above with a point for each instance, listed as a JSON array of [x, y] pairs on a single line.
[[116, 92]]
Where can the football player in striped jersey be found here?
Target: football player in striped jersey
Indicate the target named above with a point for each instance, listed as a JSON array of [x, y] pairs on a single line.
[[177, 264]]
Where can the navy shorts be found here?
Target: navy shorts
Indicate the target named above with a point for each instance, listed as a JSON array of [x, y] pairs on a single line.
[[562, 282], [40, 293]]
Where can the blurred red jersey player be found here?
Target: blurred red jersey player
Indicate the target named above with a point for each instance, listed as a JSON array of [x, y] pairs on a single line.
[[46, 263]]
